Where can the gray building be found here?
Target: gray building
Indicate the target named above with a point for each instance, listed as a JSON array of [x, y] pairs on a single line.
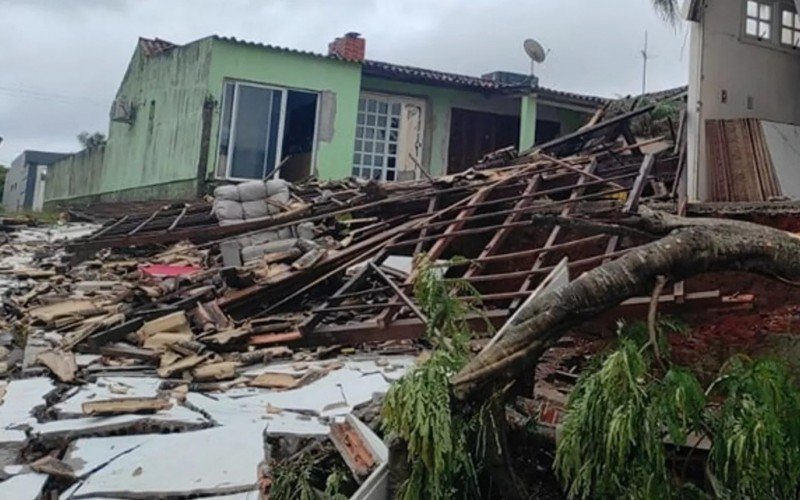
[[24, 187], [744, 64]]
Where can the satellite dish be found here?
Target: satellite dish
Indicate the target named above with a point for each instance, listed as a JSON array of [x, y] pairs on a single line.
[[534, 50]]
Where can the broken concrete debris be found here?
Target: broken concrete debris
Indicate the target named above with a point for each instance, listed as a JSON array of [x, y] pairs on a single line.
[[140, 351]]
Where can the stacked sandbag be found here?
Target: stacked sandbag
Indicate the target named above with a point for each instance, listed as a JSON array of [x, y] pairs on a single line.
[[251, 200], [252, 195], [227, 207]]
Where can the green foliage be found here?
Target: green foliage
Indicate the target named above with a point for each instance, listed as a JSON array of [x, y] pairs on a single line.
[[611, 442], [333, 485], [667, 9], [621, 414], [292, 480], [756, 452], [418, 407], [92, 141]]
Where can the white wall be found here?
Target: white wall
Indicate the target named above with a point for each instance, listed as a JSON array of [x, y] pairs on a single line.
[[748, 71]]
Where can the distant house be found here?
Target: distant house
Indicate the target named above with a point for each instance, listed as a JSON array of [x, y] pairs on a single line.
[[221, 109], [743, 103], [25, 180]]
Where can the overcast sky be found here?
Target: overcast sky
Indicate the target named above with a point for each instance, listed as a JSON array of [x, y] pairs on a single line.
[[61, 61]]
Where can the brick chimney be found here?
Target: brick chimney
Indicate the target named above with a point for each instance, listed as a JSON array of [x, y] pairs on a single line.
[[350, 47]]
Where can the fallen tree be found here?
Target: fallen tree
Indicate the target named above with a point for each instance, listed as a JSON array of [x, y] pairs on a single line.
[[684, 247]]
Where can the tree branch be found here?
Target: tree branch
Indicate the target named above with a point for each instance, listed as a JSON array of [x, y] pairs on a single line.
[[690, 247]]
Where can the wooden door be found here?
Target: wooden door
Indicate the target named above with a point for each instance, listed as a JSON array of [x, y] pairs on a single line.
[[473, 134]]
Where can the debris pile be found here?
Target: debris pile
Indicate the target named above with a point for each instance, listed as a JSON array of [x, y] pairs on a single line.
[[283, 310]]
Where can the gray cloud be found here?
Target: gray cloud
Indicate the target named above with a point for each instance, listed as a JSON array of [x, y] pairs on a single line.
[[62, 60]]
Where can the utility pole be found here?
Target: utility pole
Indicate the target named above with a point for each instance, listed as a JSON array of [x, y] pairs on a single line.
[[645, 56]]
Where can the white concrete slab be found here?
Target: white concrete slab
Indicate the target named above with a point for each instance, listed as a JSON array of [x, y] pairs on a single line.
[[783, 142], [108, 388], [207, 462], [22, 396], [177, 416], [23, 487]]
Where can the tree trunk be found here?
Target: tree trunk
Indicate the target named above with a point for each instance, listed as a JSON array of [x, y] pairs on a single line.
[[687, 247]]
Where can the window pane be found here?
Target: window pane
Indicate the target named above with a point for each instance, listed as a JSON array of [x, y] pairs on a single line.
[[390, 175], [764, 30], [381, 121], [765, 12], [368, 146], [391, 162], [356, 171], [377, 160], [381, 136], [371, 120], [359, 132], [379, 146], [370, 133], [788, 18], [376, 174], [786, 36], [392, 149], [360, 119], [253, 123], [797, 21], [752, 9], [752, 27], [796, 41], [396, 109], [383, 107], [367, 160], [395, 123], [357, 159], [362, 104], [393, 135], [372, 105]]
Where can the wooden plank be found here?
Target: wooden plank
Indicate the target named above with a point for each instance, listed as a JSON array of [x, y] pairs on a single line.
[[635, 194], [108, 228], [577, 192], [501, 235], [144, 223]]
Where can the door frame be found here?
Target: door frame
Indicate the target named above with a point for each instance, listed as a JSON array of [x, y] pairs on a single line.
[[403, 100], [284, 92]]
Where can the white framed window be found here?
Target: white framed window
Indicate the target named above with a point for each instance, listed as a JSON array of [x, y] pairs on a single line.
[[389, 137], [377, 137], [790, 28], [759, 19]]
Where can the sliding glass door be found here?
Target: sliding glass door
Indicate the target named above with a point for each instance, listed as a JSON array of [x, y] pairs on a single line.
[[254, 131], [253, 136]]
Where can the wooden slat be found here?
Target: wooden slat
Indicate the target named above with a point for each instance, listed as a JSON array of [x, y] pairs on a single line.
[[501, 235], [632, 203], [554, 233]]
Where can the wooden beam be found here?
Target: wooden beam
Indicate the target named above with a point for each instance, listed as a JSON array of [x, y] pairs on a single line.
[[635, 194]]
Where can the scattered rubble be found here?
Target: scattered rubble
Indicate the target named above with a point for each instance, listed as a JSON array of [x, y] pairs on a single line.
[[177, 353]]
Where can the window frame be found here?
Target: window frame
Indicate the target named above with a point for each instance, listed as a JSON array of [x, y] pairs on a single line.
[[776, 26], [284, 92], [794, 28], [770, 22], [390, 100]]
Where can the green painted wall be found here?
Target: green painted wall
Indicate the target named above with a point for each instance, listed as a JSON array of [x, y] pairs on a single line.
[[339, 80], [439, 102], [163, 143]]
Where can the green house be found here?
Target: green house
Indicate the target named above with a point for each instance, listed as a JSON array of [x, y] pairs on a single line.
[[220, 109]]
